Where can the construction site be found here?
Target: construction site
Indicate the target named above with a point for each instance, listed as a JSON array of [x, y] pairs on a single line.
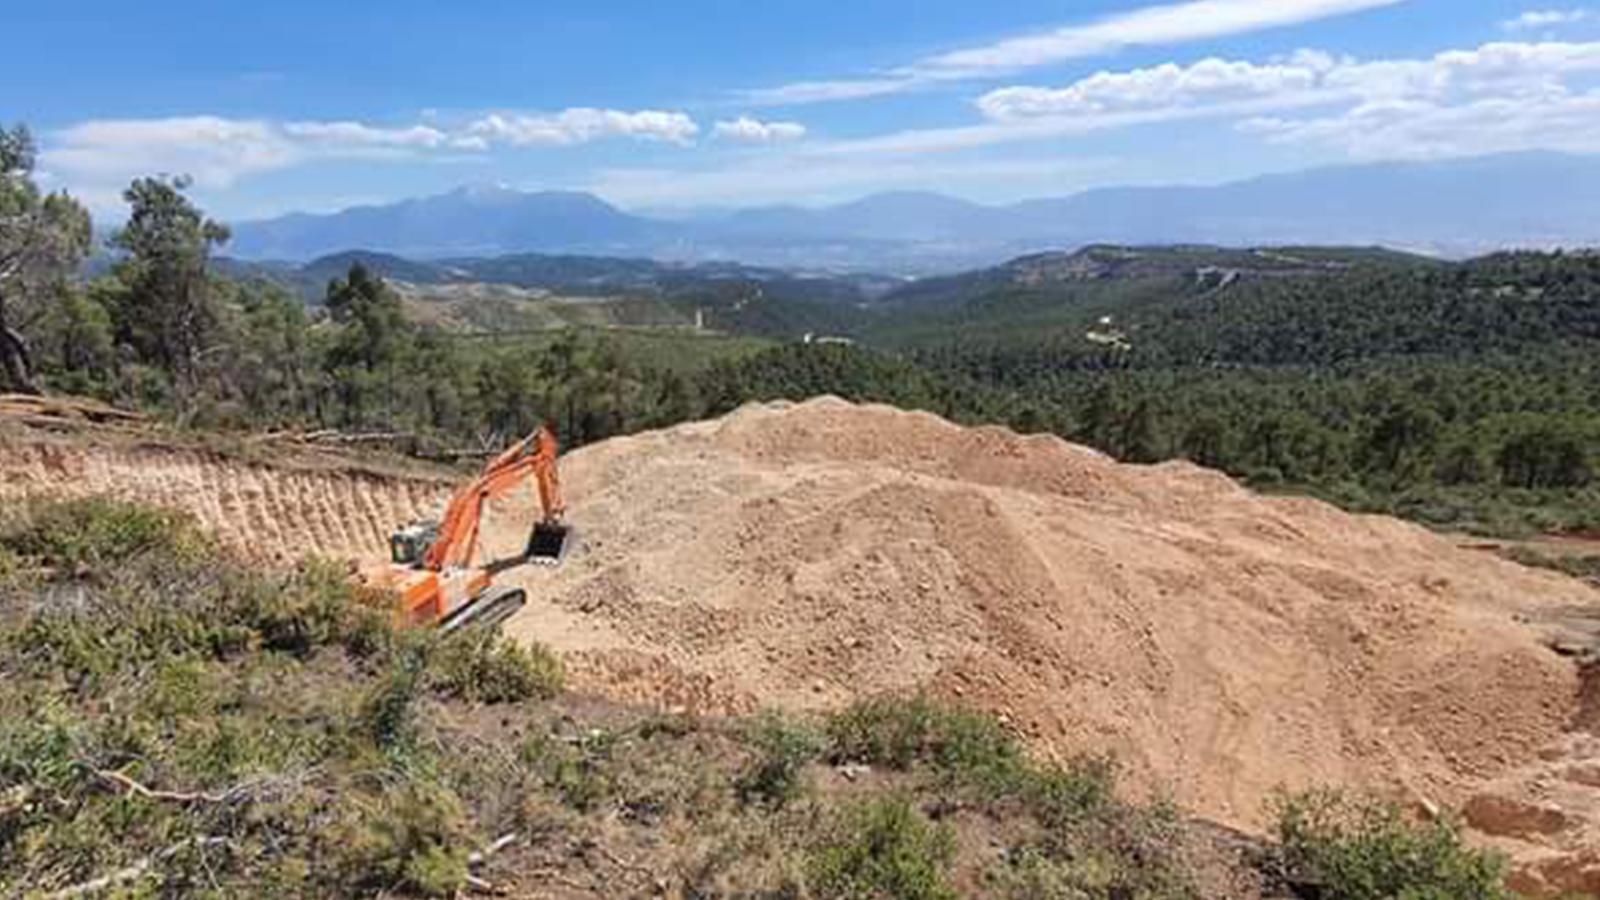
[[1220, 644]]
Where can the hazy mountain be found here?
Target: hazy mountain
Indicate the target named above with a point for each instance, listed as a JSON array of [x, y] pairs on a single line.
[[474, 220], [1455, 207]]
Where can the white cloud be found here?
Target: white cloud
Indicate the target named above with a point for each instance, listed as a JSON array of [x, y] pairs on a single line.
[[1531, 78], [1152, 26], [215, 151], [802, 92], [98, 157], [756, 131], [582, 125], [1410, 129], [1156, 25], [358, 134], [1498, 69], [1168, 85], [1534, 20]]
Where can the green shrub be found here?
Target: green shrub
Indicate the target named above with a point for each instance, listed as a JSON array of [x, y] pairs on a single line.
[[578, 771], [413, 837], [783, 748], [1062, 795], [882, 848], [101, 532], [898, 732], [481, 666], [1367, 849], [388, 712]]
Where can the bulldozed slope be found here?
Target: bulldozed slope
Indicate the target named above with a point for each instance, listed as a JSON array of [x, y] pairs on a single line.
[[280, 507], [1220, 643]]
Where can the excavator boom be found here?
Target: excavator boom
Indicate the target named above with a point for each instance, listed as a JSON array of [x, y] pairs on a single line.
[[533, 456], [432, 576]]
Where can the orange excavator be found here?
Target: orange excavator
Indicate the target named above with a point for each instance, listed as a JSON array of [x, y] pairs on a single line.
[[432, 576]]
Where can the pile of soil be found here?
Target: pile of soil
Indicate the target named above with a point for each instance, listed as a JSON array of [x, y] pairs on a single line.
[[1221, 643]]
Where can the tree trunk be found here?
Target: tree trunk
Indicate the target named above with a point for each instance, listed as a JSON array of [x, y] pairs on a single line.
[[15, 360]]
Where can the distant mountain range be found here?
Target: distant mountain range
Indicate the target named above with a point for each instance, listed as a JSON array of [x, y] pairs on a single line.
[[1453, 208]]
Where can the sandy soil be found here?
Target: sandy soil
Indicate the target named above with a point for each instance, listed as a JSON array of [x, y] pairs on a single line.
[[1220, 643], [277, 507]]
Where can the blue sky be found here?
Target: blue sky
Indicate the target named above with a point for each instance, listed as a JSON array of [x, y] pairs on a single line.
[[660, 105]]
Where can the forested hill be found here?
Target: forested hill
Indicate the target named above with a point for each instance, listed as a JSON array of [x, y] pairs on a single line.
[[1204, 266], [1466, 394], [571, 274]]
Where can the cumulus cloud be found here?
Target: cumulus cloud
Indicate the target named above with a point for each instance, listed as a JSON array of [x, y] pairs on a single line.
[[215, 151], [360, 135], [98, 155], [1500, 69], [1539, 82], [1168, 85], [756, 131], [1151, 26], [582, 125], [1533, 20]]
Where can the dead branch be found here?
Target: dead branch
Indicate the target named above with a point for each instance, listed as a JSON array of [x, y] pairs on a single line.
[[479, 857], [243, 791], [136, 870], [478, 885], [134, 787]]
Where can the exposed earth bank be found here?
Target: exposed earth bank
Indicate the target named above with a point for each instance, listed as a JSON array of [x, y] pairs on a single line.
[[1220, 643]]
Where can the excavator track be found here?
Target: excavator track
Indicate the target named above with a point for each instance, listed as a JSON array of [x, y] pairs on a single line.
[[487, 610]]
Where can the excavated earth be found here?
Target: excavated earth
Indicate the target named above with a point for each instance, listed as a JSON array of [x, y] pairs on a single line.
[[268, 503], [1220, 643]]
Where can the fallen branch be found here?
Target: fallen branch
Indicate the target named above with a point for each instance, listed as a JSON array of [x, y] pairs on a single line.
[[242, 791], [149, 793], [479, 857], [136, 870]]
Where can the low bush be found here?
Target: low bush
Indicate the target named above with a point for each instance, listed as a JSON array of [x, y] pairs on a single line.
[[97, 531], [481, 666], [1357, 848], [896, 732], [882, 848], [783, 749], [578, 770]]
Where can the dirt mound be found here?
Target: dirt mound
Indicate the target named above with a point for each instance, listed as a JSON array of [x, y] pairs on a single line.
[[1219, 642], [277, 506]]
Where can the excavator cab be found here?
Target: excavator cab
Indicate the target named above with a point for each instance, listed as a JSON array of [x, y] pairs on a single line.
[[408, 544]]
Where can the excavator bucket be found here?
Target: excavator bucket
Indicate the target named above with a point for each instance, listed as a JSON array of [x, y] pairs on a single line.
[[548, 543]]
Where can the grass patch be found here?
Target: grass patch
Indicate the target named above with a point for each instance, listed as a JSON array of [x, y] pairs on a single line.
[[1352, 848], [882, 848], [481, 666], [244, 733], [783, 748]]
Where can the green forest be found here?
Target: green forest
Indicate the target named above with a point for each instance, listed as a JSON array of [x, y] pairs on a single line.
[[1465, 395]]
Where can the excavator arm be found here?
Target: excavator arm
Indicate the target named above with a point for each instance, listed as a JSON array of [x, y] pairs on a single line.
[[432, 578], [534, 456]]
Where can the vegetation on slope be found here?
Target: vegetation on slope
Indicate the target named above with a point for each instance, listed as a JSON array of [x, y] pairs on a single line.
[[173, 724]]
